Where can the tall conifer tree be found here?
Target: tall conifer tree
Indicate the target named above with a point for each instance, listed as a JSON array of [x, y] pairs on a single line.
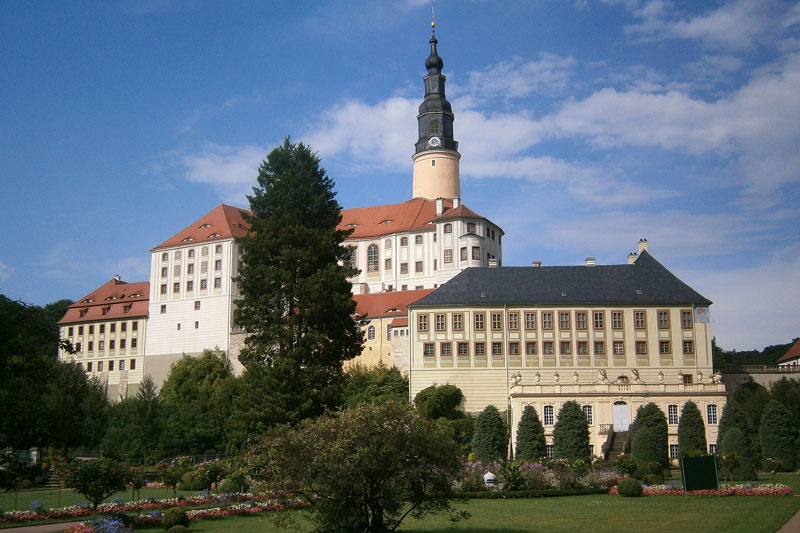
[[691, 431], [531, 444], [571, 433], [296, 307]]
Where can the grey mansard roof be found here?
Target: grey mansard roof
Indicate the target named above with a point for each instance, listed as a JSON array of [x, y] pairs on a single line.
[[645, 282]]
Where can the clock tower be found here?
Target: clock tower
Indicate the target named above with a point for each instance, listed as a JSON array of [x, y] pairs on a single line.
[[436, 152]]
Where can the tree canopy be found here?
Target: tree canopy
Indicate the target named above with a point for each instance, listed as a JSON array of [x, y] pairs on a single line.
[[374, 384], [296, 307]]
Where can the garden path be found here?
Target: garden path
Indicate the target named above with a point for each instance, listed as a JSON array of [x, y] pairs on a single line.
[[792, 525], [43, 528]]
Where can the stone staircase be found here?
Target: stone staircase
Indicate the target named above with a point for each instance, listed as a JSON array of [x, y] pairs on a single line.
[[52, 481], [617, 445]]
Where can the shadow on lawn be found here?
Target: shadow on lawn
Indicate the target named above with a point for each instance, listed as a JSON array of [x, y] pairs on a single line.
[[456, 529]]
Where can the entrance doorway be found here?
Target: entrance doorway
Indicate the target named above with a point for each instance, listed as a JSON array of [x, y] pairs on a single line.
[[622, 416]]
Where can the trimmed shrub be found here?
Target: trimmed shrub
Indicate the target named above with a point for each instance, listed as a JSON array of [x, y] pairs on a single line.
[[691, 432], [732, 417], [571, 433], [439, 401], [626, 465], [531, 444], [735, 443], [649, 440], [174, 516], [778, 436], [629, 487], [489, 437]]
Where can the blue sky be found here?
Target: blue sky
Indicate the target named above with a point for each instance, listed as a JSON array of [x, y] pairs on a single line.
[[583, 126]]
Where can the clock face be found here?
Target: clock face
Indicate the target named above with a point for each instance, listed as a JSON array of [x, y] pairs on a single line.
[[434, 142]]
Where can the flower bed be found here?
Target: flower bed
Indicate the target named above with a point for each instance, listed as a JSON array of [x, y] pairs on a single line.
[[117, 505], [746, 489]]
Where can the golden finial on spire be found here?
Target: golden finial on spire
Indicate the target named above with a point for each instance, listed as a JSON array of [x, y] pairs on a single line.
[[433, 18]]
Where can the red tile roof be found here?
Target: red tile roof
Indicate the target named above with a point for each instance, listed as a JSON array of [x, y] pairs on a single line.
[[793, 353], [117, 298], [381, 305], [399, 322], [223, 222], [415, 214]]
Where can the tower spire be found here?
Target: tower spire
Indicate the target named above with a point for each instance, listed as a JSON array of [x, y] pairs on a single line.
[[435, 143]]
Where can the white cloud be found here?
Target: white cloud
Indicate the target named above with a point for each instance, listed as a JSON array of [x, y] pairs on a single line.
[[231, 170], [514, 78], [5, 271]]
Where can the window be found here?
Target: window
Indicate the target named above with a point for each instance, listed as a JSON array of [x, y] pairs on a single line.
[[641, 348], [418, 239], [673, 451], [163, 288], [619, 348], [190, 254], [197, 305], [435, 263], [616, 319], [190, 268], [480, 321], [102, 328], [547, 320], [513, 320], [530, 348], [133, 364], [463, 349], [448, 256], [165, 257], [371, 333], [218, 265], [422, 323], [566, 348], [387, 263], [91, 330], [686, 319], [470, 227], [480, 349], [177, 255], [203, 284], [583, 348], [100, 366], [448, 228], [70, 331], [404, 287], [513, 348], [90, 346], [530, 320], [372, 258], [712, 449], [476, 253], [388, 332], [190, 286], [101, 345], [111, 344], [672, 414], [179, 326], [597, 318], [80, 330], [121, 365], [563, 320], [113, 327], [587, 410], [404, 268], [164, 309], [439, 321], [89, 366], [123, 326], [446, 349], [688, 347], [111, 366], [218, 249], [176, 270], [204, 251], [217, 283], [639, 320], [387, 244], [663, 347], [580, 319], [176, 287], [463, 253], [599, 348], [203, 267], [548, 415], [547, 347], [497, 348], [403, 241], [133, 342], [497, 321], [163, 272], [418, 266], [427, 349], [458, 321], [663, 319]]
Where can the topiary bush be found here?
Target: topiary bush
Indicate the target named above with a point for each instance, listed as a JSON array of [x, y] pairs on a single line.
[[531, 444], [629, 487], [489, 437], [571, 433], [691, 432], [649, 440], [174, 517]]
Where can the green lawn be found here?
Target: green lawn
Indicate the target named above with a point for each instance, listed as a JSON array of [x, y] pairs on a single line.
[[50, 498]]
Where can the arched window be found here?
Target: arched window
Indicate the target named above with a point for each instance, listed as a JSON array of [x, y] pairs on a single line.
[[372, 258], [371, 333]]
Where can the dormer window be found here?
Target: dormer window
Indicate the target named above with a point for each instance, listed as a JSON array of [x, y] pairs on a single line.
[[241, 226], [213, 235], [126, 308], [87, 301], [106, 310], [205, 226], [385, 221], [111, 298], [188, 239], [82, 312], [352, 225], [134, 295]]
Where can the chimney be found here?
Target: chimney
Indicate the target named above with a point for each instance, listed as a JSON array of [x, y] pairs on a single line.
[[536, 263], [642, 245], [117, 278], [632, 257], [439, 206], [591, 261], [456, 202]]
